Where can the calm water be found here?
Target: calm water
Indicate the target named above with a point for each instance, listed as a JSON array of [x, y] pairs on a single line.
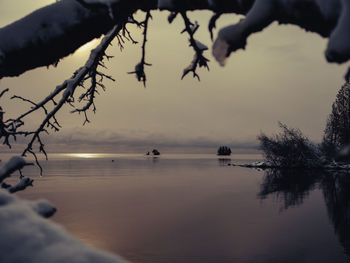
[[195, 208]]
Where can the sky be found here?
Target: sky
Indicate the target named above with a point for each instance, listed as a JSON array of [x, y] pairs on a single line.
[[281, 76]]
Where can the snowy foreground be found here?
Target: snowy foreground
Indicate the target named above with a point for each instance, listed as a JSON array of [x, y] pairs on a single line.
[[26, 235]]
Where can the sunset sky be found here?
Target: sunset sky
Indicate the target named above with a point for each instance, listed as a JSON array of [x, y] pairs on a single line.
[[281, 76]]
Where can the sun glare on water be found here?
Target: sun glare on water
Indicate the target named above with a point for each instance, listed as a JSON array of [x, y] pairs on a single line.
[[84, 155]]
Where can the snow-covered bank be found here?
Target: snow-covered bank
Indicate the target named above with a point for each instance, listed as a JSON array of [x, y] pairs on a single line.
[[26, 236], [266, 165]]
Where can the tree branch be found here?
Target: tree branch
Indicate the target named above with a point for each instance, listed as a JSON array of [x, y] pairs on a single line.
[[69, 87], [12, 165], [198, 47], [10, 127], [140, 67], [47, 37], [20, 186]]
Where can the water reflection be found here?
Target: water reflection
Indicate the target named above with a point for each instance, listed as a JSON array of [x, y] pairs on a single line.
[[224, 161], [291, 187], [336, 191], [192, 209]]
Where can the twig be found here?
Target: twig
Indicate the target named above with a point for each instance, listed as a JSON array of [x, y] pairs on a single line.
[[3, 92], [212, 23], [199, 48], [140, 67]]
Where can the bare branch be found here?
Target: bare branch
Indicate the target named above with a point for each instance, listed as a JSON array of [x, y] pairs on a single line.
[[212, 24], [172, 17], [3, 92], [70, 85], [140, 67]]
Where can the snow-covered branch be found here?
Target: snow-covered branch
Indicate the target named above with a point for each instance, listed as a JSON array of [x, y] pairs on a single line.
[[198, 47], [55, 31], [47, 35], [16, 163], [67, 90], [329, 18], [20, 186], [12, 165]]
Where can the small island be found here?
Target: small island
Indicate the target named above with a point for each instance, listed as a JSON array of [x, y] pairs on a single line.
[[155, 152], [224, 151]]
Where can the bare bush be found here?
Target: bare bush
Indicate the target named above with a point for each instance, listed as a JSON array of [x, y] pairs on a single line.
[[289, 149]]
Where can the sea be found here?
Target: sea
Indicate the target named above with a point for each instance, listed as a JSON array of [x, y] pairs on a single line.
[[196, 208]]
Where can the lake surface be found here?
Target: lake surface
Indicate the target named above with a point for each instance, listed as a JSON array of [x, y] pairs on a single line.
[[196, 208]]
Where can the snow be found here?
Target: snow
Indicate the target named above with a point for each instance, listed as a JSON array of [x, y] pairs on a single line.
[[166, 4], [42, 207], [32, 40], [22, 185], [212, 3], [257, 164], [49, 24], [38, 28], [329, 8], [330, 166], [227, 38], [338, 49], [264, 12], [27, 237], [2, 55], [201, 46], [105, 2], [15, 163]]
